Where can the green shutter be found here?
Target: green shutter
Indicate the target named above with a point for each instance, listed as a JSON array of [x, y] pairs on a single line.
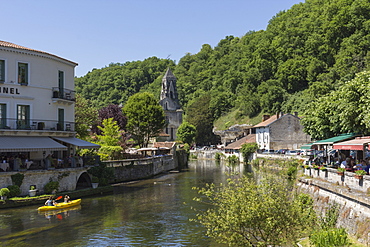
[[2, 70]]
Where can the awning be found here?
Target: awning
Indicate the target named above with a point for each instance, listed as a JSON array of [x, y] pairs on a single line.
[[355, 144], [307, 146], [77, 142], [29, 144], [335, 139]]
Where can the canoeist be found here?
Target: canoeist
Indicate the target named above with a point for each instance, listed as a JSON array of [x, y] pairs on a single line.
[[66, 198], [50, 202]]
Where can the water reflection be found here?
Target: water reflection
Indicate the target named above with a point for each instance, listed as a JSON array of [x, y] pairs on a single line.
[[153, 212]]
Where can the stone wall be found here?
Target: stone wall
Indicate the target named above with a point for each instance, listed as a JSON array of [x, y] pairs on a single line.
[[67, 179], [128, 170], [354, 212], [287, 132]]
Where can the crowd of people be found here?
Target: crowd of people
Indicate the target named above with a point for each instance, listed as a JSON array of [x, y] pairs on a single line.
[[350, 164]]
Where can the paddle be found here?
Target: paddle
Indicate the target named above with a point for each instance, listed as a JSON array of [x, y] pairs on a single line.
[[58, 198]]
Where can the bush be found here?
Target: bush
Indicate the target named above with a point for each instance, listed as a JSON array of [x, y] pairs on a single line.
[[17, 179], [95, 179], [330, 237], [51, 187], [4, 192], [14, 190], [218, 156]]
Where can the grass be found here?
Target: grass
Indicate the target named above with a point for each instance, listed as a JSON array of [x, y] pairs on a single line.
[[353, 243], [234, 117]]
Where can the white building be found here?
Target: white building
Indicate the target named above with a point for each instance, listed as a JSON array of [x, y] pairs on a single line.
[[36, 105]]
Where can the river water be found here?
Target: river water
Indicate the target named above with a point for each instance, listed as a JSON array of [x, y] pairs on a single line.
[[153, 212]]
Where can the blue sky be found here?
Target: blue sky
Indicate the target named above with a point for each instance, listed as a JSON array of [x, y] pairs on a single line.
[[96, 33]]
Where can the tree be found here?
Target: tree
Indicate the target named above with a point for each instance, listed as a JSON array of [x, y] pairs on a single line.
[[186, 133], [246, 213], [109, 140], [248, 149], [86, 116], [341, 111], [115, 112], [200, 115], [145, 116]]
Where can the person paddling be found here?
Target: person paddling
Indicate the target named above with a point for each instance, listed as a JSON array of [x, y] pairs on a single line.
[[66, 198], [50, 201]]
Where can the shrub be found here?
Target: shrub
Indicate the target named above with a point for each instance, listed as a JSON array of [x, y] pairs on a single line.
[[51, 187], [95, 179], [291, 172], [233, 160], [14, 190], [360, 172], [329, 237], [17, 179], [218, 156], [340, 169], [4, 192]]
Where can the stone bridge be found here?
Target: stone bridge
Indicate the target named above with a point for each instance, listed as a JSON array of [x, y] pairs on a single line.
[[69, 179]]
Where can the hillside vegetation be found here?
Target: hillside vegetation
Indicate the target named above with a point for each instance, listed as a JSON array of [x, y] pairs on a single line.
[[304, 53]]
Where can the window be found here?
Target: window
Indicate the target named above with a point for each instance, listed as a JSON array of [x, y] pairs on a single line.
[[2, 116], [23, 116], [23, 73], [2, 70], [61, 83], [60, 124]]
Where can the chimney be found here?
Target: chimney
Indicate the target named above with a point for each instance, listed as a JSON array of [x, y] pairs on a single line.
[[265, 117], [296, 113], [277, 115]]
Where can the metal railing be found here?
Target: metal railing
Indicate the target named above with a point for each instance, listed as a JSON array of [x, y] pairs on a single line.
[[64, 93], [35, 124]]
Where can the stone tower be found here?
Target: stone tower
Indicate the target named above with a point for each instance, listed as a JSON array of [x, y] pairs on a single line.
[[170, 104]]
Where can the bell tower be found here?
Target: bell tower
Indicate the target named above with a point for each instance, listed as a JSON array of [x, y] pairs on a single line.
[[170, 104]]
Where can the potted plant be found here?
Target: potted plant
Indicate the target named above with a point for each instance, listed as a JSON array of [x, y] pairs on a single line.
[[32, 191], [341, 171], [307, 167], [360, 174], [94, 182], [323, 168], [315, 167], [4, 192]]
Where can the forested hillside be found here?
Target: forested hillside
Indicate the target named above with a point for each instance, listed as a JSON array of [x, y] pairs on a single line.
[[305, 52]]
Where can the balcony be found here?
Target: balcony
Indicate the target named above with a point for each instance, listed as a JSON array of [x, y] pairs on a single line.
[[35, 125], [64, 95]]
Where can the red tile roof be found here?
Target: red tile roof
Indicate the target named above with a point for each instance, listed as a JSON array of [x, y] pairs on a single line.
[[266, 122], [164, 144], [11, 45], [238, 144]]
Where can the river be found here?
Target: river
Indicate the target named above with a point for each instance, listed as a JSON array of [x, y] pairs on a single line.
[[153, 212]]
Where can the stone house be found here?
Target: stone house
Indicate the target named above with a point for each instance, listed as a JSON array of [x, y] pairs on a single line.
[[280, 131]]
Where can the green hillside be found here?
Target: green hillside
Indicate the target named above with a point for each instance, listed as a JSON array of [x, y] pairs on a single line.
[[305, 53]]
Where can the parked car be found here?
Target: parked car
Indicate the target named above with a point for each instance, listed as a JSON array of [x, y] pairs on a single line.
[[291, 152], [282, 151], [270, 151]]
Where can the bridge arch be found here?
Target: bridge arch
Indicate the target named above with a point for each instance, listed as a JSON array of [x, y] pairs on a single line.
[[84, 181]]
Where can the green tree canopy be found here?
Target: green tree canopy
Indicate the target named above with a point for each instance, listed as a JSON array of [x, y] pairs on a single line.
[[344, 110], [186, 133], [200, 115], [109, 140], [86, 116], [145, 117]]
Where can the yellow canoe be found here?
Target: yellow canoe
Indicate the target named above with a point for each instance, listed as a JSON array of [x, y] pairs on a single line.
[[61, 205]]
